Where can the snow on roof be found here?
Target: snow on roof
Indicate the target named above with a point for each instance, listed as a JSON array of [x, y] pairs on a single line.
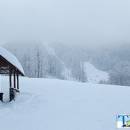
[[11, 58]]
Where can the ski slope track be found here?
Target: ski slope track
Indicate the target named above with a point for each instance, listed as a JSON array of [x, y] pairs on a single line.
[[51, 104]]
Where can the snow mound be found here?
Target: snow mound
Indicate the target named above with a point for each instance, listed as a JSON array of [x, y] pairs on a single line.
[[94, 75]]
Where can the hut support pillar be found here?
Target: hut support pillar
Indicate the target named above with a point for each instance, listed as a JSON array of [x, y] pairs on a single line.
[[14, 80], [10, 78], [11, 91], [17, 81]]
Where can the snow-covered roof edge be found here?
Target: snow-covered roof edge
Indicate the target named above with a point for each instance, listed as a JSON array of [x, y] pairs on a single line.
[[12, 59]]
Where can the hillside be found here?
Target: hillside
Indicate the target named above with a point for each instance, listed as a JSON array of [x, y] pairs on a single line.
[[63, 61], [51, 104], [47, 61]]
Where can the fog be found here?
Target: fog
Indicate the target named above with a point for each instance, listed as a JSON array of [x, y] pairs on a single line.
[[91, 22]]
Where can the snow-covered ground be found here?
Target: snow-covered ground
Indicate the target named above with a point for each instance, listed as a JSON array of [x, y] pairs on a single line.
[[51, 104]]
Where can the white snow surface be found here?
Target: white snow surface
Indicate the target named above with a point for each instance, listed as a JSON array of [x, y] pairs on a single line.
[[50, 104], [11, 58], [95, 75]]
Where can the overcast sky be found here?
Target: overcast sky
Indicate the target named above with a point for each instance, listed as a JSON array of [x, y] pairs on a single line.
[[67, 21]]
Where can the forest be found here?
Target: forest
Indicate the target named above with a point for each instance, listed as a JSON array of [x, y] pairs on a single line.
[[64, 61]]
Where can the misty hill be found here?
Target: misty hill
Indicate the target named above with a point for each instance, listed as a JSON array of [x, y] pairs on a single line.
[[43, 60], [64, 61]]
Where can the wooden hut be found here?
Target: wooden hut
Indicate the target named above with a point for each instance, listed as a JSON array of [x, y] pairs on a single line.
[[10, 66]]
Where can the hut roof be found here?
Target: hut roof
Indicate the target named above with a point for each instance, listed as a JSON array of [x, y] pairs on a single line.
[[11, 59]]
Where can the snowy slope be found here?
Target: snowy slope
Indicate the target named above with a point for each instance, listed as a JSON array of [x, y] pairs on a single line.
[[94, 75], [46, 104], [66, 73]]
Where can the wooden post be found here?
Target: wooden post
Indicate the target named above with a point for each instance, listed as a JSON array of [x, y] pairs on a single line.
[[17, 81], [14, 80], [10, 78], [10, 82]]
